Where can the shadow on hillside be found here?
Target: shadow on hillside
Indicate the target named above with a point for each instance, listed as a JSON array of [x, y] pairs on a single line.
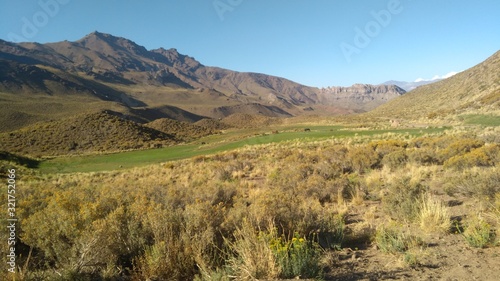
[[20, 160]]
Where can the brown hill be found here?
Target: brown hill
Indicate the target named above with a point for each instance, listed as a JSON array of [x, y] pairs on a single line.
[[212, 124], [181, 130], [474, 90], [89, 133], [241, 120], [252, 109]]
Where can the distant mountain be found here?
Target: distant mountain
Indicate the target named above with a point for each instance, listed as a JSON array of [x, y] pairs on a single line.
[[104, 72], [100, 64], [360, 97], [409, 86], [474, 90]]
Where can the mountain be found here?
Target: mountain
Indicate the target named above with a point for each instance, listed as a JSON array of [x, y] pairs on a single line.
[[476, 90], [409, 86], [360, 97], [105, 72]]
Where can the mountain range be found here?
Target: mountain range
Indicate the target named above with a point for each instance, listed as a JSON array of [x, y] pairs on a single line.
[[103, 73], [42, 82]]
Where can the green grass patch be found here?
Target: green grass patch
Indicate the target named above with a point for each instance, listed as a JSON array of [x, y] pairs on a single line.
[[483, 120], [213, 144]]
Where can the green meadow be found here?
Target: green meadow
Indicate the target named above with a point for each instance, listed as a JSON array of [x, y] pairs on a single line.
[[227, 141]]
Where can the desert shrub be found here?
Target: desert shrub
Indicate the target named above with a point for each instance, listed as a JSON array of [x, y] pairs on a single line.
[[478, 233], [328, 171], [337, 157], [289, 176], [429, 142], [280, 206], [316, 187], [384, 147], [252, 256], [297, 257], [393, 240], [348, 187], [76, 238], [459, 147], [434, 216], [422, 156], [395, 159], [481, 183], [330, 232], [363, 158], [402, 200], [475, 158], [493, 152], [166, 260], [263, 254]]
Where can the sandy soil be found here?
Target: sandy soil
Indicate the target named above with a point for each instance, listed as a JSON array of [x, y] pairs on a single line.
[[445, 257]]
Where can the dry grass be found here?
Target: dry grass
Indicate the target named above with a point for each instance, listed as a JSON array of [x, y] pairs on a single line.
[[254, 258], [208, 217], [434, 215]]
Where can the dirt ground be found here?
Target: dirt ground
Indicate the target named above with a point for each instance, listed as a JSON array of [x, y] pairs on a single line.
[[444, 257]]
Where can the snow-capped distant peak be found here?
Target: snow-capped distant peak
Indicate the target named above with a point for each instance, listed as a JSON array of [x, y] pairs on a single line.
[[436, 77]]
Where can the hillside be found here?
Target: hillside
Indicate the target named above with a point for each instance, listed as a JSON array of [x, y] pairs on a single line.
[[476, 90], [244, 120], [88, 133], [181, 130]]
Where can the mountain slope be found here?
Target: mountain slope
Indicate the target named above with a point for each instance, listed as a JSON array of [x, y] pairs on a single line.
[[105, 68], [476, 89]]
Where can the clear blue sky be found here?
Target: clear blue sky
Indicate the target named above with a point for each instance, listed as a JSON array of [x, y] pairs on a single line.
[[313, 42]]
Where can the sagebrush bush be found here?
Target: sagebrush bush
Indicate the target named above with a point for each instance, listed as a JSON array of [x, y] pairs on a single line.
[[423, 156], [297, 257], [402, 199], [395, 159], [480, 157], [393, 240], [481, 183], [253, 256], [363, 158], [459, 147], [479, 233], [384, 147]]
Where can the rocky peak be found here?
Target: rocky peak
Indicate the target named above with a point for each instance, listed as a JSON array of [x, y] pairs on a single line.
[[178, 60], [365, 89], [103, 42]]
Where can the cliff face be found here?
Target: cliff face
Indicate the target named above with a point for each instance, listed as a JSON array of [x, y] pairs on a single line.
[[359, 97]]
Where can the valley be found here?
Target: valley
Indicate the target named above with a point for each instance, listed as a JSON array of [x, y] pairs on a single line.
[[136, 164]]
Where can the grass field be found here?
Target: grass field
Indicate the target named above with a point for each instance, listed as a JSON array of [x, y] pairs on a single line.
[[213, 144], [482, 120]]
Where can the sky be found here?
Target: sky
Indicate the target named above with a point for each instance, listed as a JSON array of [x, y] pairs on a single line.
[[313, 42]]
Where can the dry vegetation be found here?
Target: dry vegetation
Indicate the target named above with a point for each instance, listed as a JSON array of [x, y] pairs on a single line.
[[86, 133], [275, 211], [184, 130]]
